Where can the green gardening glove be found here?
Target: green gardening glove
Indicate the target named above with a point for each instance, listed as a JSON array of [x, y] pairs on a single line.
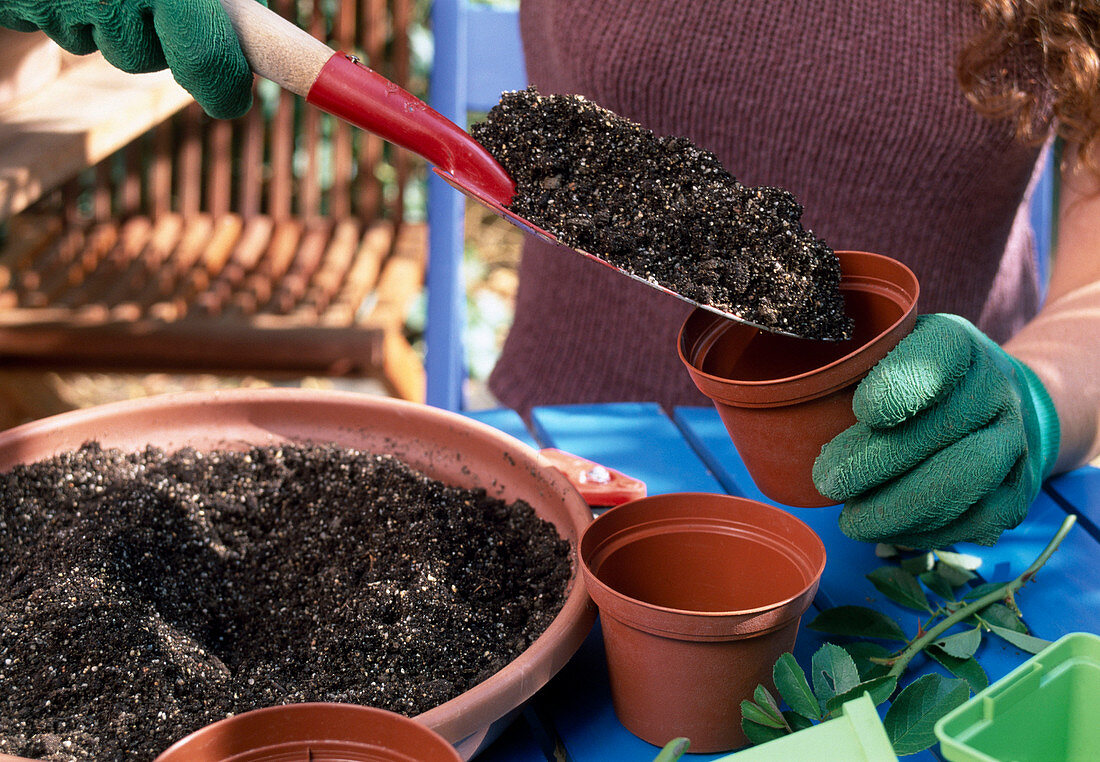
[[192, 37], [953, 439]]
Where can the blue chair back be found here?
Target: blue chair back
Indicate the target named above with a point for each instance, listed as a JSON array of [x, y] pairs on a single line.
[[477, 57]]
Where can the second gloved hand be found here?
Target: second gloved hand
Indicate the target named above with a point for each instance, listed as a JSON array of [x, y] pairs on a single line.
[[953, 439], [193, 38]]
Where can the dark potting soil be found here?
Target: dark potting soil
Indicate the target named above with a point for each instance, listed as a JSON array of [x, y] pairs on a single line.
[[666, 211], [145, 595]]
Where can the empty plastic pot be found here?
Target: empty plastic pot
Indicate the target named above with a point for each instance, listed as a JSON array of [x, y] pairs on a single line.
[[1045, 709], [345, 732], [698, 594], [782, 398]]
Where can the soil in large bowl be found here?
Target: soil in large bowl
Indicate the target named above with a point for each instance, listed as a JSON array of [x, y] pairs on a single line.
[[145, 595], [665, 211]]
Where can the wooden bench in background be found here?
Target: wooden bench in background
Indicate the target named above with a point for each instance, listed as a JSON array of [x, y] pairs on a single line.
[[269, 245]]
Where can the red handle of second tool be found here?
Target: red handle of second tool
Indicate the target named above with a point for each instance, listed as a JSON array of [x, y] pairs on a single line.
[[351, 91]]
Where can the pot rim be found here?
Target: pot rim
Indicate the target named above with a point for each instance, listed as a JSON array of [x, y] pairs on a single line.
[[319, 716], [706, 625], [461, 719], [905, 295]]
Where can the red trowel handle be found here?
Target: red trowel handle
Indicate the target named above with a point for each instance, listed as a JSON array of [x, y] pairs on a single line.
[[338, 84], [598, 485]]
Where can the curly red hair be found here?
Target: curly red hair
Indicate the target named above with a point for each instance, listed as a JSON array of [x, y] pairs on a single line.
[[1037, 62]]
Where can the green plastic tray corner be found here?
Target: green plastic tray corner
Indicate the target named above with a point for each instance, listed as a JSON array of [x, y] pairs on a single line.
[[856, 736], [1046, 709]]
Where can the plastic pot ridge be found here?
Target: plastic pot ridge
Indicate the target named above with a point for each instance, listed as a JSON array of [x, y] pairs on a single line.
[[699, 594], [345, 732], [782, 398]]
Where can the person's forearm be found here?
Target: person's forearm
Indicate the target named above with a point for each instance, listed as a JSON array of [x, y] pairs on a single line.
[[1062, 343], [1062, 346]]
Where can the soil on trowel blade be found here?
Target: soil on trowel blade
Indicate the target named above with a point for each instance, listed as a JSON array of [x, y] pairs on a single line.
[[666, 211]]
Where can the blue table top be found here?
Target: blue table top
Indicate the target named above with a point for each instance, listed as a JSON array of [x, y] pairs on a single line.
[[572, 718]]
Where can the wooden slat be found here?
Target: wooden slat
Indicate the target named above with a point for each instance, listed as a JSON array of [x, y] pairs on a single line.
[[189, 180], [328, 278], [372, 40], [130, 192], [160, 173], [250, 194], [401, 277], [257, 287], [361, 278], [293, 284], [132, 239], [123, 298], [87, 113], [219, 158], [309, 186], [27, 239], [194, 267], [38, 278], [69, 289], [250, 248]]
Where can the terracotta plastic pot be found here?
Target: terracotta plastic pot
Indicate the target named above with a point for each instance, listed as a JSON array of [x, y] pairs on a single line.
[[699, 595], [344, 732], [444, 445], [781, 398]]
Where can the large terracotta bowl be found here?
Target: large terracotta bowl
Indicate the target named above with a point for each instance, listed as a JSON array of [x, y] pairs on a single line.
[[444, 445]]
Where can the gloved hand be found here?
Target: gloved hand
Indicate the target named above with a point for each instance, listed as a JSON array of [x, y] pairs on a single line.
[[953, 439], [192, 37]]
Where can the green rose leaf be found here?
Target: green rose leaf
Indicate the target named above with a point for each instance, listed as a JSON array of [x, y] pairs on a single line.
[[797, 721], [758, 734], [910, 720], [859, 622], [834, 672], [792, 685], [900, 586], [956, 576], [880, 689], [760, 715], [978, 591], [764, 699], [918, 564], [1002, 616], [961, 646], [1024, 642], [968, 669], [938, 585], [862, 651]]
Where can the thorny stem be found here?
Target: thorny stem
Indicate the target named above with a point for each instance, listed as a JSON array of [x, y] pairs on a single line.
[[1005, 591]]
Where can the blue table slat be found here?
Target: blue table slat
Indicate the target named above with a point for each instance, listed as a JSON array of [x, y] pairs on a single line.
[[635, 438], [508, 421], [1064, 596], [516, 744], [1081, 490]]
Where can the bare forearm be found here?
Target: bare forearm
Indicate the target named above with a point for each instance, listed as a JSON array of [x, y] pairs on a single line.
[[1062, 343], [1062, 346]]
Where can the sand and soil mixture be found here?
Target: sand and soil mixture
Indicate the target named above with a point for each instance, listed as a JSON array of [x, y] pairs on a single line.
[[665, 211], [145, 595]]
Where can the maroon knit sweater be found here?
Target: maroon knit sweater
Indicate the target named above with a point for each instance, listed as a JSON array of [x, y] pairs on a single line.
[[852, 105]]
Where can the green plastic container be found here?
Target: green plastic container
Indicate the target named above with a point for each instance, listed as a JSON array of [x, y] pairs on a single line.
[[856, 736], [1048, 708]]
